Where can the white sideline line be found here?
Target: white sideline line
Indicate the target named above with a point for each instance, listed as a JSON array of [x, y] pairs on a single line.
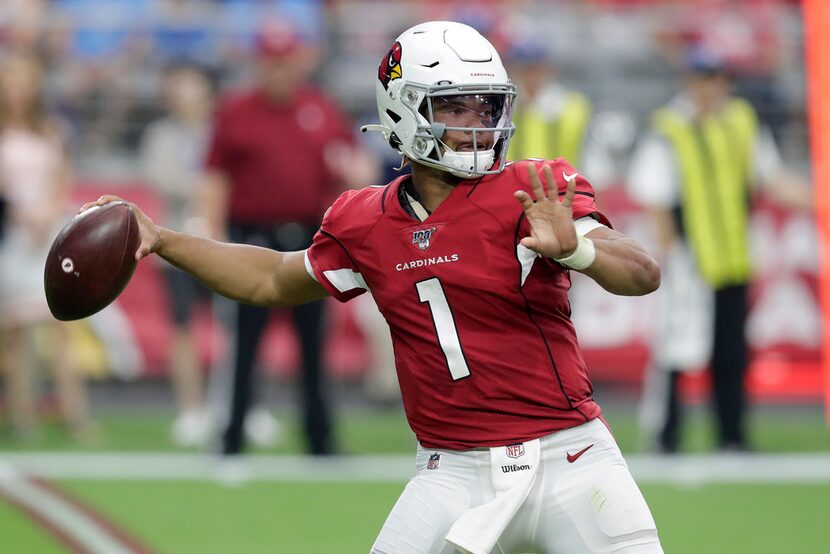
[[200, 467], [681, 470], [59, 513]]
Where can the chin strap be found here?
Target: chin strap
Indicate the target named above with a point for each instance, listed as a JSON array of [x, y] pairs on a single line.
[[402, 164]]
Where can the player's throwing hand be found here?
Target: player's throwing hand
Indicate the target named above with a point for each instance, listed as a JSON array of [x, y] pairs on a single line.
[[551, 222], [150, 234]]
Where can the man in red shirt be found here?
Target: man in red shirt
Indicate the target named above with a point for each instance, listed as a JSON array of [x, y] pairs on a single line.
[[469, 261], [275, 161]]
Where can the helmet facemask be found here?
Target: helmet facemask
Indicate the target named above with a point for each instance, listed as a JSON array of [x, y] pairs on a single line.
[[478, 118]]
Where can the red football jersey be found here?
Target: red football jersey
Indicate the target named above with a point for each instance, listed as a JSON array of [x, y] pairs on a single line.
[[485, 350]]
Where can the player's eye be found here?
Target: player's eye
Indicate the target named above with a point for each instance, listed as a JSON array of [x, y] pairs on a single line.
[[450, 108]]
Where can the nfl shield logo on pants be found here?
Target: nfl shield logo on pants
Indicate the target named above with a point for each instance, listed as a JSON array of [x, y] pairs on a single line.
[[434, 460], [515, 450]]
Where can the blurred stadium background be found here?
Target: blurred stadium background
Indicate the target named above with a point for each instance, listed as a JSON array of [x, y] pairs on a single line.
[[131, 488]]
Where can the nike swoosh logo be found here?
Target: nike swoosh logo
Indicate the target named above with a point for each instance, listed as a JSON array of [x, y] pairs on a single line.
[[570, 177], [574, 457]]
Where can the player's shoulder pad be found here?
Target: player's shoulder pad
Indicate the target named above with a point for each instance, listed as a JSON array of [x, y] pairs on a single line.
[[562, 172], [355, 211]]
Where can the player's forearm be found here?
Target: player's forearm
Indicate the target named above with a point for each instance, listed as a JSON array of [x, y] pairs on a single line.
[[622, 266], [241, 272]]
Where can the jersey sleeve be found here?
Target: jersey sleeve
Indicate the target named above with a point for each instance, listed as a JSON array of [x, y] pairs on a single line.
[[328, 258]]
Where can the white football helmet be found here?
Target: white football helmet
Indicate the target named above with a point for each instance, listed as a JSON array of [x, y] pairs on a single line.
[[443, 61]]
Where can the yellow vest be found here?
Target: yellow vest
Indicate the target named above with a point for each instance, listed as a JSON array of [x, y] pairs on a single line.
[[714, 159], [537, 136]]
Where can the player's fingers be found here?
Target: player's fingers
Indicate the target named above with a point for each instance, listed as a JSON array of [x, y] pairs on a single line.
[[524, 199], [536, 183], [568, 200], [143, 251], [550, 182], [104, 199], [529, 242], [87, 206], [107, 198]]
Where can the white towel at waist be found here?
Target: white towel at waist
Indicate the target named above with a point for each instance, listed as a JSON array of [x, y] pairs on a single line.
[[479, 528]]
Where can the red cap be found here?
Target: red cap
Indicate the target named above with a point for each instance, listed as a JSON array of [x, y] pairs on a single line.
[[277, 39]]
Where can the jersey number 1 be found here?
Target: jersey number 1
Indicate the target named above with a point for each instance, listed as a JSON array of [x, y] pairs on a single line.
[[431, 292]]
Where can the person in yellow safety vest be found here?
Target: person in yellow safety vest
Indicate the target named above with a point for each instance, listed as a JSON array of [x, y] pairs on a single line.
[[551, 120], [695, 172]]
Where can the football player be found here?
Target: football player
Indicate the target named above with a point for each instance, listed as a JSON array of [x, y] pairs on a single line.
[[469, 260]]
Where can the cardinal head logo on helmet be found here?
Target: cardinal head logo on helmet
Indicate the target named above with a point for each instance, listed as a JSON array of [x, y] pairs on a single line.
[[390, 66]]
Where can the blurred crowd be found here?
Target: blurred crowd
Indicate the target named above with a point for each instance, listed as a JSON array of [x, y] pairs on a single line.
[[105, 59]]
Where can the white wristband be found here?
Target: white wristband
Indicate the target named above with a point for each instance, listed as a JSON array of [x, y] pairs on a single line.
[[582, 257]]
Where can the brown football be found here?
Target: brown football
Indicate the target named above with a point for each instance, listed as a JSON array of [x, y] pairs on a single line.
[[91, 261]]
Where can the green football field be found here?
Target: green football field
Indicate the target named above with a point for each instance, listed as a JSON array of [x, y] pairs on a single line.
[[768, 512], [181, 517]]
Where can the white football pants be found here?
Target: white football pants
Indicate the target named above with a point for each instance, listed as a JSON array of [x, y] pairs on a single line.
[[576, 503]]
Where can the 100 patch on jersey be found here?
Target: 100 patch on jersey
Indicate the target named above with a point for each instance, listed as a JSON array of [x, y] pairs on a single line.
[[421, 237]]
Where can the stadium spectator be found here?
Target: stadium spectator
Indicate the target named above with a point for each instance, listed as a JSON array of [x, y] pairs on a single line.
[[472, 276], [705, 157], [552, 121], [21, 22], [35, 181], [750, 37], [279, 154], [172, 153]]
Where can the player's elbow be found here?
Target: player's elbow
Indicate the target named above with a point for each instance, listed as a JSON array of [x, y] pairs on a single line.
[[648, 276], [281, 293], [278, 301], [640, 277], [270, 294]]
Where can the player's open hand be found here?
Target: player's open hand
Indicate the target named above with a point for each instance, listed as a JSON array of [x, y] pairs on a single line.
[[551, 222], [148, 231]]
